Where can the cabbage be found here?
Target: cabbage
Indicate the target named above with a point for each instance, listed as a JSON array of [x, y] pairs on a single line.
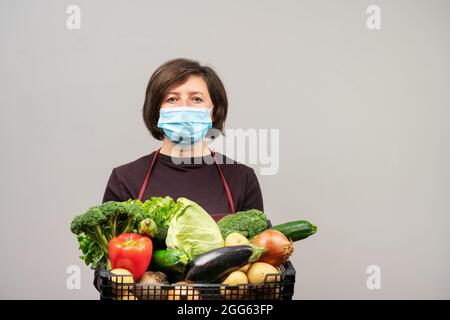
[[193, 230]]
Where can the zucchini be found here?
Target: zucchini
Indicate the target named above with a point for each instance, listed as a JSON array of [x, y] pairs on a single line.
[[214, 264], [296, 230], [169, 261]]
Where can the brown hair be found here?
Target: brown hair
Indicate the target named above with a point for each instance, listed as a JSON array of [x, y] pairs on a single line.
[[174, 73]]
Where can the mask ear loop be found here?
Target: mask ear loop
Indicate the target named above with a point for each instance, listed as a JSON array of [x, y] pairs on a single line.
[[211, 112]]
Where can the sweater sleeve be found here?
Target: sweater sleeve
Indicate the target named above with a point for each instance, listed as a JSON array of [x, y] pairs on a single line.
[[253, 197], [114, 189]]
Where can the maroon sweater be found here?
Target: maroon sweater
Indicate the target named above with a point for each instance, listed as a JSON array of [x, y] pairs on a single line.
[[197, 180]]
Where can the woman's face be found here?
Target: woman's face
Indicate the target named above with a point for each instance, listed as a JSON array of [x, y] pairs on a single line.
[[192, 93]]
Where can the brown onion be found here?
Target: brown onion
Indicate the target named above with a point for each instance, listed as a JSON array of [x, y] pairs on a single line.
[[279, 247]]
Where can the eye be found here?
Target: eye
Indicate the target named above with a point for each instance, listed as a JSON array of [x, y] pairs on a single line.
[[172, 99], [197, 99]]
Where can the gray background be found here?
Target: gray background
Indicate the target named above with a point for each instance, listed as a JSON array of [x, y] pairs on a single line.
[[363, 118]]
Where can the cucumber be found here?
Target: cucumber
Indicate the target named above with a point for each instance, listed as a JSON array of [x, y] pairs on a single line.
[[159, 241], [296, 230], [214, 264], [169, 261]]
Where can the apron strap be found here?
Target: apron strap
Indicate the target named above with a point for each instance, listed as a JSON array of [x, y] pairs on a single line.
[[222, 177], [225, 184], [147, 177]]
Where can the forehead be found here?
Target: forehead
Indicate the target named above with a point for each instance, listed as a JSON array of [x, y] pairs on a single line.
[[192, 84]]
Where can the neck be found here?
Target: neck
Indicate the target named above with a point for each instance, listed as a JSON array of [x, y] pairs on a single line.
[[175, 150]]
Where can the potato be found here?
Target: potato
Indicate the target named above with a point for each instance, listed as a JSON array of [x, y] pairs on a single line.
[[258, 271], [235, 239], [245, 268], [118, 283], [123, 276], [234, 279], [183, 292], [148, 287]]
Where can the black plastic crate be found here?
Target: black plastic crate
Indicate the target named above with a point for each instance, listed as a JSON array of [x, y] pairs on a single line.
[[279, 287]]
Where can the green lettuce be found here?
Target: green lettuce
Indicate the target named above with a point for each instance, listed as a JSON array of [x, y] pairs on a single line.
[[160, 210], [193, 230]]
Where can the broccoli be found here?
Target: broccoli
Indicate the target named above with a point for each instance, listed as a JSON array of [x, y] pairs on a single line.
[[92, 254], [102, 223], [91, 224], [248, 223], [121, 217]]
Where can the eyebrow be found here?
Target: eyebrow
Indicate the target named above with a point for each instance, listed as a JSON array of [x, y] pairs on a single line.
[[191, 93]]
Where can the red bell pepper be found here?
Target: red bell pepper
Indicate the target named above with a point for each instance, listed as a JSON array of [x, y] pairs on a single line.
[[132, 252]]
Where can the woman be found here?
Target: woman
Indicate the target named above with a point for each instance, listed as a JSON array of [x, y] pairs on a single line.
[[182, 102]]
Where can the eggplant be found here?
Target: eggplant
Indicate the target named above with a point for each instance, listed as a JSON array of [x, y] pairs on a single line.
[[214, 264]]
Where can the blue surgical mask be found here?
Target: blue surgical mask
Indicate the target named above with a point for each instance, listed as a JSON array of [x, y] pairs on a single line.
[[185, 125]]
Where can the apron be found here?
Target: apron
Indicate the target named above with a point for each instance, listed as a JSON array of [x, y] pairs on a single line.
[[215, 216]]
